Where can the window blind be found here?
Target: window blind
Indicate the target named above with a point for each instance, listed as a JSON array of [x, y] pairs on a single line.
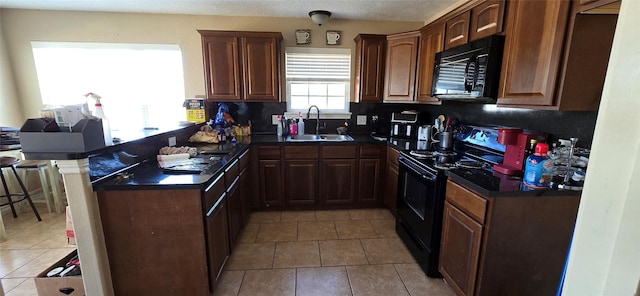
[[310, 66]]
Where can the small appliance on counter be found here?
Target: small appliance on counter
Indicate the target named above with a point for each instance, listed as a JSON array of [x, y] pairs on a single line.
[[404, 124], [9, 138], [516, 143]]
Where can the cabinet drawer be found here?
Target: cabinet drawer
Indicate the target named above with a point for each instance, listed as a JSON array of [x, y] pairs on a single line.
[[467, 201], [214, 191], [338, 152], [269, 152], [301, 152], [244, 159], [231, 172], [370, 151], [392, 156]]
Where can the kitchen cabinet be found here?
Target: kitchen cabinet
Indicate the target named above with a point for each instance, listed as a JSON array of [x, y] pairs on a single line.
[[505, 245], [150, 234], [486, 19], [457, 30], [241, 66], [391, 185], [400, 67], [546, 48], [599, 6], [431, 42], [270, 176], [301, 175], [339, 175], [235, 205], [369, 175], [218, 238], [245, 185], [369, 74]]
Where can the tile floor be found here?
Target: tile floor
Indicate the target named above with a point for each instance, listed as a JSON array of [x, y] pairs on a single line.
[[340, 252], [31, 247]]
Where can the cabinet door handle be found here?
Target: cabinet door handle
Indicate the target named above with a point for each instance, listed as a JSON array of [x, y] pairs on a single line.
[[214, 182], [243, 154], [233, 184], [215, 205], [231, 166]]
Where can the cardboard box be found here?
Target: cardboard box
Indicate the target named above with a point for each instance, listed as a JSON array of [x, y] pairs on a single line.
[[196, 110], [43, 135], [71, 236], [52, 286]]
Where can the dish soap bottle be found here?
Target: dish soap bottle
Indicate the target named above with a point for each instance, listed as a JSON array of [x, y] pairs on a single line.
[[106, 128], [300, 124], [538, 168]]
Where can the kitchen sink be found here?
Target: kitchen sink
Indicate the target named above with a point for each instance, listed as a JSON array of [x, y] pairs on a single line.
[[319, 138]]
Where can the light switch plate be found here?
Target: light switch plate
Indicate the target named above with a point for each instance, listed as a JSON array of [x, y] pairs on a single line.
[[274, 119], [361, 120], [172, 141]]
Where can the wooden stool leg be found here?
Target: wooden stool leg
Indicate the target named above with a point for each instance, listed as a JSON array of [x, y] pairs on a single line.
[[26, 193], [6, 190], [3, 232]]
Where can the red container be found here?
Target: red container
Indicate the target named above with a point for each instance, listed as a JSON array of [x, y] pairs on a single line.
[[508, 136]]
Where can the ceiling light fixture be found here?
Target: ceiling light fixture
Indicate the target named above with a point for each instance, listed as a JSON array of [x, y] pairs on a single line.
[[320, 16]]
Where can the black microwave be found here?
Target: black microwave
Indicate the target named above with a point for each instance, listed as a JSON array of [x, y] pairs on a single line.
[[469, 72]]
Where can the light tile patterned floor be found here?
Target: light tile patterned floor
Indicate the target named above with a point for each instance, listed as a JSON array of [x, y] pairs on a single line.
[[30, 248], [340, 252]]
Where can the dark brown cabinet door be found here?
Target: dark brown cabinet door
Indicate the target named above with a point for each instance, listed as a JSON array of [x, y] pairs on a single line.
[[400, 67], [431, 42], [369, 79], [369, 181], [486, 19], [217, 240], [260, 67], [271, 190], [246, 193], [338, 181], [301, 182], [391, 188], [532, 52], [457, 30], [459, 250], [222, 68], [234, 202]]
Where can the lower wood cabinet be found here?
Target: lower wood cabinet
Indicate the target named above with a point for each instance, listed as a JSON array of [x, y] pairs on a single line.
[[338, 182], [270, 183], [505, 245], [391, 183], [369, 180], [301, 182], [218, 245]]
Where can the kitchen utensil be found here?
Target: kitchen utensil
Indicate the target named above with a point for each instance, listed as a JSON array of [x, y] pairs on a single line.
[[441, 119], [446, 140]]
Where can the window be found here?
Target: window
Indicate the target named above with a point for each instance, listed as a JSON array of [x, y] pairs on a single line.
[[141, 85], [318, 76]]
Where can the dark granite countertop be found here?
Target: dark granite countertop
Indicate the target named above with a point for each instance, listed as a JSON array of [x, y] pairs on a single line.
[[273, 139], [493, 184]]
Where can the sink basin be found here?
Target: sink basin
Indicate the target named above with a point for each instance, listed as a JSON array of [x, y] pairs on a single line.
[[319, 138]]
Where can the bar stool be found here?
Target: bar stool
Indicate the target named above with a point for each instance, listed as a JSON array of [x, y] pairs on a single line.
[[10, 162], [41, 166]]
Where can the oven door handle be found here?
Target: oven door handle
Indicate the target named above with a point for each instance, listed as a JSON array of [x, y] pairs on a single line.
[[425, 175]]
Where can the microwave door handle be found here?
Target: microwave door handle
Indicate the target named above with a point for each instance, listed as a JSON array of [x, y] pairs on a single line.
[[466, 73]]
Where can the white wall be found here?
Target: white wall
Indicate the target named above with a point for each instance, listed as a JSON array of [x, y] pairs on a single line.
[[10, 113], [605, 255]]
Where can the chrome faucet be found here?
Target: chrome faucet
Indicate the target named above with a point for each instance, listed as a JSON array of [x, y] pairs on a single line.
[[317, 117]]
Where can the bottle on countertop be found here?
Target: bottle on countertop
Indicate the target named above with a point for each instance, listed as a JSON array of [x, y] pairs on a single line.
[[538, 168], [531, 148], [106, 128], [279, 126], [300, 124], [293, 127]]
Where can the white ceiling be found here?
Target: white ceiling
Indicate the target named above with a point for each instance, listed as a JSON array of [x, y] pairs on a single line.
[[387, 10]]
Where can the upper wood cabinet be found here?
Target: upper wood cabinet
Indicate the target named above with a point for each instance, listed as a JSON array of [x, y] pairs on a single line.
[[431, 42], [554, 59], [486, 19], [241, 65], [370, 55], [400, 67], [457, 30]]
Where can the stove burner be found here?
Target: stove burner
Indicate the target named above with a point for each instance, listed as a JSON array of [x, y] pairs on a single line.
[[443, 153], [421, 153]]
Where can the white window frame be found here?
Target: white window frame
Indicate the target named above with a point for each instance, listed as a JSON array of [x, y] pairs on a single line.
[[324, 114]]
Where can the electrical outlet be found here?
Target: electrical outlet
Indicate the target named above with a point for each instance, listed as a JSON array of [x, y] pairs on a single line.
[[274, 119], [172, 141], [362, 120]]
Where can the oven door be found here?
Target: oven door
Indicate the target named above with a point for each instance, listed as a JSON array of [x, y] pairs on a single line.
[[419, 203]]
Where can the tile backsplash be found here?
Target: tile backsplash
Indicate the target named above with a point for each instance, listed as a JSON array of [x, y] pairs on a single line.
[[558, 124]]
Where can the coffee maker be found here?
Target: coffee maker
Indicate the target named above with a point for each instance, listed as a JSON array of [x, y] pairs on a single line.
[[404, 124], [515, 141]]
